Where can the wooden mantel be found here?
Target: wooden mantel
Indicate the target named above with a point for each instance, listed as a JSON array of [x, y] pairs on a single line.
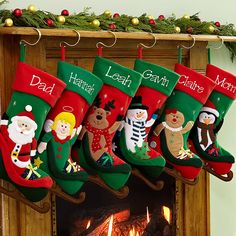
[[192, 202]]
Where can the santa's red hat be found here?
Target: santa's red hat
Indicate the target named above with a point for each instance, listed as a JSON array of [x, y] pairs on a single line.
[[210, 107], [27, 116]]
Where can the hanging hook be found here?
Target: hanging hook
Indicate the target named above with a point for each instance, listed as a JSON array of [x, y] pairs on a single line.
[[32, 44], [63, 45], [141, 46], [216, 48], [193, 44], [221, 45], [99, 45]]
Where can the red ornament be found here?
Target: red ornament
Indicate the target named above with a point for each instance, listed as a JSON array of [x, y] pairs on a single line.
[[17, 12], [189, 30], [152, 22], [65, 12], [112, 26], [161, 17], [50, 22], [116, 15], [217, 24]]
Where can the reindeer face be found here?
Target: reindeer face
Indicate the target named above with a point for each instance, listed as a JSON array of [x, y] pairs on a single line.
[[98, 118]]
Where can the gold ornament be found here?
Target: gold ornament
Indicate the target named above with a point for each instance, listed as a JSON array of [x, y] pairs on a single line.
[[135, 21], [150, 17], [32, 8], [61, 19], [186, 17], [177, 29], [8, 22], [107, 13], [211, 29], [96, 23]]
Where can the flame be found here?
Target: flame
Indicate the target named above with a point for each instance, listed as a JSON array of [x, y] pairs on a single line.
[[166, 213], [132, 232], [148, 216], [137, 234], [88, 224], [109, 233]]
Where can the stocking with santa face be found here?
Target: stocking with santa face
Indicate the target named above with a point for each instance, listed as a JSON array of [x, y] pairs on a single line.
[[35, 92], [63, 125], [102, 121], [157, 84], [181, 110], [203, 137]]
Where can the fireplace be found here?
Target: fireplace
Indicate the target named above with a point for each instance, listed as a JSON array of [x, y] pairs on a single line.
[[143, 212]]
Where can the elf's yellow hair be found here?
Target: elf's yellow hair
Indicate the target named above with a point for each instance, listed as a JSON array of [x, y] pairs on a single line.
[[65, 117]]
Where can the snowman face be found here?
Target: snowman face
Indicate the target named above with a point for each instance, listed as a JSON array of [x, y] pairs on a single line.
[[207, 118], [137, 115]]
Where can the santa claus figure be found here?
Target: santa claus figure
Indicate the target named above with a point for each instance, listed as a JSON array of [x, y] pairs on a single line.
[[19, 135]]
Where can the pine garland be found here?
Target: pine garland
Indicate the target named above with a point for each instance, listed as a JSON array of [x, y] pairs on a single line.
[[84, 21]]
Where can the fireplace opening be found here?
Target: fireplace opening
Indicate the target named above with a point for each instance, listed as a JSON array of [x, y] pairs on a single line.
[[143, 212]]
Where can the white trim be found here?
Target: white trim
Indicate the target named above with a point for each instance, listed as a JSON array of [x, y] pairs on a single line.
[[211, 110], [4, 122], [172, 129], [32, 153]]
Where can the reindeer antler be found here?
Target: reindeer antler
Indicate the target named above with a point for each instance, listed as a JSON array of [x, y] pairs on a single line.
[[97, 101], [109, 105]]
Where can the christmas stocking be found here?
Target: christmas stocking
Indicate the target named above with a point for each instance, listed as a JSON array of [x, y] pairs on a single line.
[[63, 125], [157, 84], [210, 119], [35, 92], [181, 110], [103, 119]]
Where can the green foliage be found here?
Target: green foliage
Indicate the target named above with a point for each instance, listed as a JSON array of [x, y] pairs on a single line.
[[83, 21]]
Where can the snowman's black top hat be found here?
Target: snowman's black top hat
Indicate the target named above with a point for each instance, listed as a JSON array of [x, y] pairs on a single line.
[[136, 103]]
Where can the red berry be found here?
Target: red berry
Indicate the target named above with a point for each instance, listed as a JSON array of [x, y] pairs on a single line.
[[217, 24], [189, 30], [161, 17], [116, 15], [65, 12], [17, 12], [152, 22], [50, 22], [112, 26]]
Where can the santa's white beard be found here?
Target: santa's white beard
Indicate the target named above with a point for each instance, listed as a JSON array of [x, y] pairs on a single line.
[[17, 137]]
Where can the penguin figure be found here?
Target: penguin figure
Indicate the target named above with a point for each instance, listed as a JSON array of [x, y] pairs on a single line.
[[206, 125]]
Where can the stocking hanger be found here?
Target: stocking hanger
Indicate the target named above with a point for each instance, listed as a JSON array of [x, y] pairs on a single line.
[[23, 44], [141, 46], [63, 45], [100, 45], [180, 47], [215, 48]]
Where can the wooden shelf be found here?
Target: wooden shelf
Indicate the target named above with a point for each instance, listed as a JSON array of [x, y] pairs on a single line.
[[105, 34]]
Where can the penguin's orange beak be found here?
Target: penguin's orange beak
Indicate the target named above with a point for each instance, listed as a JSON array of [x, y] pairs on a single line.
[[207, 121]]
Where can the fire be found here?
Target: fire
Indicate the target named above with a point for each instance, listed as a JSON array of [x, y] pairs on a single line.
[[132, 232], [88, 224], [166, 213], [148, 216], [109, 233]]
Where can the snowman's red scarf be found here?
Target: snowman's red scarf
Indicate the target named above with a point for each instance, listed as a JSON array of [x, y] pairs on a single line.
[[97, 133], [204, 128]]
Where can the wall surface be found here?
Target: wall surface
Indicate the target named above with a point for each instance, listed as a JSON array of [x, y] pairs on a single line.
[[223, 195]]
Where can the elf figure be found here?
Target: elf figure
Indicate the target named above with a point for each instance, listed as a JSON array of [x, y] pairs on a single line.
[[203, 138], [63, 126], [35, 92], [61, 138], [135, 123]]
